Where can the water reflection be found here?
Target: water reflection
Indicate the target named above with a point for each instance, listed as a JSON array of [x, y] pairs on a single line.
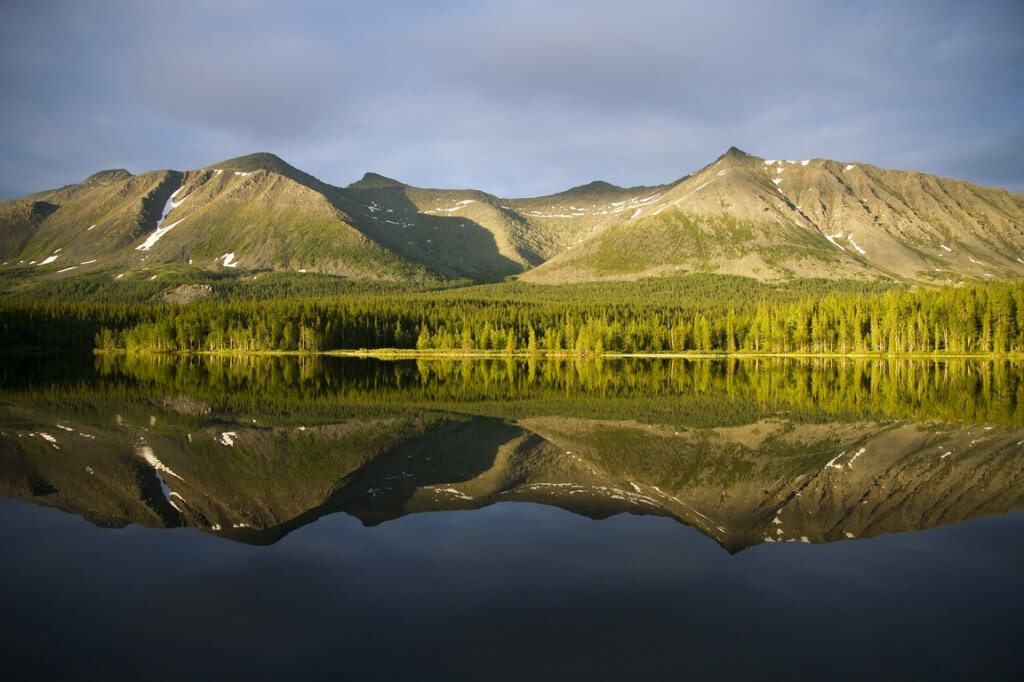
[[746, 451]]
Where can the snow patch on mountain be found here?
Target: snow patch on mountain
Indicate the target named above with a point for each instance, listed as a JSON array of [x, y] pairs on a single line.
[[152, 239]]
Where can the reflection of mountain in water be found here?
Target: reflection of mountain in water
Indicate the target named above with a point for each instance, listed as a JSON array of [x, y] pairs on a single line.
[[772, 476]]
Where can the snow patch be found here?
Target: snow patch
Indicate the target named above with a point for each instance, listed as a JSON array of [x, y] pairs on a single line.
[[805, 162], [46, 261], [228, 438], [849, 167], [229, 260], [453, 491], [155, 237], [88, 262], [67, 269], [458, 206], [637, 202], [859, 250], [147, 454], [91, 227], [538, 214], [832, 462], [170, 205], [946, 248], [51, 440], [832, 238]]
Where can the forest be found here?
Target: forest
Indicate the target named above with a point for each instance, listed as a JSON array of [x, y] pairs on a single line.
[[696, 314]]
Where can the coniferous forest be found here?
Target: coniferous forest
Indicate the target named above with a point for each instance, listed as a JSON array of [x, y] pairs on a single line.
[[695, 314]]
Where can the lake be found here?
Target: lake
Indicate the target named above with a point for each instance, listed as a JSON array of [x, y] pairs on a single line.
[[318, 517]]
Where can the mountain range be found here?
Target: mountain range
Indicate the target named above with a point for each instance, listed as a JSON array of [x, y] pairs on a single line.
[[767, 481], [252, 448], [742, 215]]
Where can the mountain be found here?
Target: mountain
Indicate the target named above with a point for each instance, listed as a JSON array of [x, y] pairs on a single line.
[[746, 451], [767, 481], [744, 215], [773, 219], [253, 212]]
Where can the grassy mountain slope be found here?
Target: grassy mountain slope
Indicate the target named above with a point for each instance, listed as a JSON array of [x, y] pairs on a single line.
[[254, 212], [740, 215], [777, 219], [461, 233]]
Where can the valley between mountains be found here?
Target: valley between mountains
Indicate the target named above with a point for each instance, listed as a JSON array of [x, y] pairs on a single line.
[[741, 215]]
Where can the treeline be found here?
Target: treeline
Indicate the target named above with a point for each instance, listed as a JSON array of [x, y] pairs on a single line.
[[142, 286], [980, 318]]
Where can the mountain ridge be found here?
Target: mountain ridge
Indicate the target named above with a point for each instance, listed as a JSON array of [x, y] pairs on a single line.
[[741, 214]]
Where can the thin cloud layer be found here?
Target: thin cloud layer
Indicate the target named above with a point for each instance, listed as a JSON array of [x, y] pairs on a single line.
[[518, 98]]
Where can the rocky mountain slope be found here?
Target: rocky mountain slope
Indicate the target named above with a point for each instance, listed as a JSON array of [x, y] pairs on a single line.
[[744, 215]]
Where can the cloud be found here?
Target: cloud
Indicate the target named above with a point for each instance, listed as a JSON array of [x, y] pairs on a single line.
[[515, 98]]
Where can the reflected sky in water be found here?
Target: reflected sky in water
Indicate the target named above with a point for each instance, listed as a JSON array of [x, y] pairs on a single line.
[[513, 591]]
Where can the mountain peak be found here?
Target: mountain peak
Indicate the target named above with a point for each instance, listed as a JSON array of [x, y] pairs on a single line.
[[105, 177], [375, 181], [257, 161], [595, 187], [736, 154], [273, 163]]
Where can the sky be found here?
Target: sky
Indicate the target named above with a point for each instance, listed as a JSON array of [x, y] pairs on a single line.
[[516, 98]]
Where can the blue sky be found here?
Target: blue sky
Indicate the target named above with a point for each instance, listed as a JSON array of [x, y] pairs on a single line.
[[515, 98]]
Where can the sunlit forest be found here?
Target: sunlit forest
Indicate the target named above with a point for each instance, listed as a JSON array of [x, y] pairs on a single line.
[[709, 315]]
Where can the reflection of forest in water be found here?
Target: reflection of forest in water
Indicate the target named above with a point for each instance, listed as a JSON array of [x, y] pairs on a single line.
[[706, 392], [747, 451]]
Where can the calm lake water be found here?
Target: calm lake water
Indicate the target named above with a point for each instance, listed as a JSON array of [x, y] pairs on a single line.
[[284, 517]]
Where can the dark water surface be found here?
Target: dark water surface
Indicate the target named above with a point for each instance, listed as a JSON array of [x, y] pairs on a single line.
[[276, 519]]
